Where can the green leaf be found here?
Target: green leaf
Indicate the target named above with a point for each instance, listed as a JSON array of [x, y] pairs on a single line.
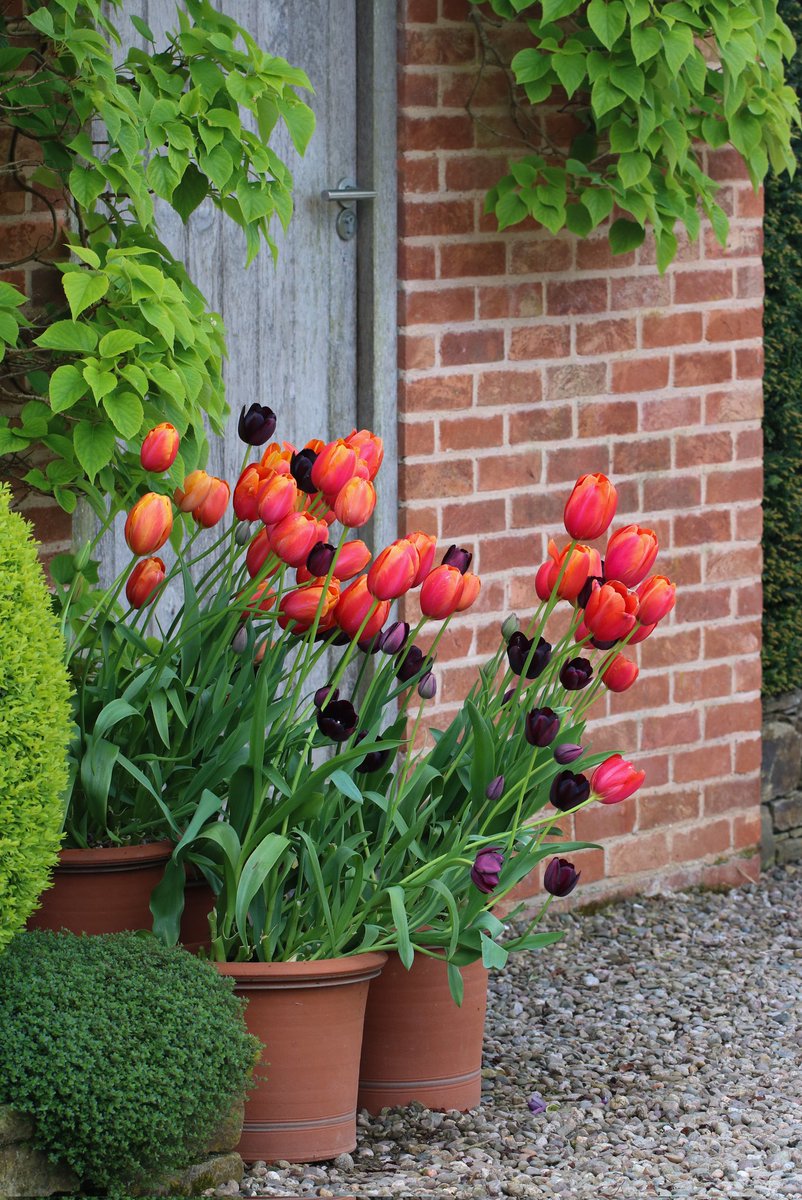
[[161, 176], [608, 21], [94, 446], [645, 43], [677, 45], [629, 79], [86, 184], [68, 335], [553, 10], [625, 236], [100, 381], [633, 168], [125, 412], [493, 955], [398, 908], [300, 121], [598, 202], [456, 984], [578, 219], [254, 873], [604, 96], [97, 765], [84, 288], [120, 341], [142, 27], [9, 327], [190, 192], [218, 166], [67, 385], [345, 784], [571, 71]]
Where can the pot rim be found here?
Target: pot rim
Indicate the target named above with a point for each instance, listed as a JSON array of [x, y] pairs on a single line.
[[114, 858], [324, 972]]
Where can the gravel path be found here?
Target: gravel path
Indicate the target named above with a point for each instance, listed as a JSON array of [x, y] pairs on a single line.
[[664, 1035]]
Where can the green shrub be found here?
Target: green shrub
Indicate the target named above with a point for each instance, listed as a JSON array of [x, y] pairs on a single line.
[[126, 1055], [782, 542], [34, 725]]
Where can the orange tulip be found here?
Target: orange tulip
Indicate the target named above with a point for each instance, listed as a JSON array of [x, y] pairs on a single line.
[[576, 571], [620, 674], [471, 586], [369, 448], [590, 507], [146, 577], [630, 555], [394, 570], [441, 592], [353, 558], [293, 537], [258, 552], [160, 448], [211, 509], [197, 486], [355, 503], [277, 457], [262, 600], [277, 497], [149, 524], [657, 597], [611, 611], [426, 546], [300, 606], [354, 605], [333, 467], [246, 492]]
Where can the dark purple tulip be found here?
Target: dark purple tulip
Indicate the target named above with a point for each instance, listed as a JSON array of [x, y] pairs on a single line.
[[369, 647], [427, 686], [455, 556], [320, 558], [301, 470], [541, 726], [256, 425], [536, 1104], [508, 695], [567, 752], [337, 720], [326, 693], [495, 789], [410, 664], [518, 649], [486, 870], [394, 637], [568, 790], [587, 588], [560, 877], [374, 760], [576, 674]]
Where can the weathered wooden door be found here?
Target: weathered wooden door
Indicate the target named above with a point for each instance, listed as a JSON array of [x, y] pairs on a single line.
[[292, 326]]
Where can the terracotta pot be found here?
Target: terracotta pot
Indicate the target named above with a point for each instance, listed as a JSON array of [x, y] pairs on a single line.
[[107, 890], [418, 1045], [309, 1015]]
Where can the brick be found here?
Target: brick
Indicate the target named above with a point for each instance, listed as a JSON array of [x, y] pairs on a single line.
[[671, 411], [437, 392], [469, 516], [749, 444], [708, 762], [502, 472], [640, 291], [730, 486], [703, 448], [417, 89], [728, 795], [415, 438], [641, 852], [600, 821], [538, 255], [671, 808], [733, 640], [733, 326], [671, 329], [640, 375], [415, 353], [725, 163], [471, 433], [473, 172], [576, 297], [430, 481], [740, 563], [749, 203], [418, 175], [472, 258], [510, 387], [749, 283], [416, 262], [709, 604], [437, 47], [749, 363], [505, 553], [540, 341], [595, 253], [565, 382], [436, 132], [749, 600], [473, 346], [701, 367], [23, 239], [546, 423], [674, 492], [606, 337], [437, 306], [702, 528], [724, 719], [634, 457], [748, 751], [421, 11], [490, 90], [522, 300], [695, 287], [746, 830], [599, 417], [701, 841], [674, 729], [735, 404], [432, 218], [744, 241]]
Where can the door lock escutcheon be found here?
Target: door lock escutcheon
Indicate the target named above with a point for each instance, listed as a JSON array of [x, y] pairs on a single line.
[[346, 195]]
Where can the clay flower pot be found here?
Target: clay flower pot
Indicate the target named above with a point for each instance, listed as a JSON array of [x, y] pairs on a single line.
[[418, 1044], [107, 890], [309, 1015]]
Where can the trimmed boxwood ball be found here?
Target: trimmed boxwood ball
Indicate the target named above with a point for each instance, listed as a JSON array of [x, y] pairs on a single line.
[[35, 725], [125, 1054]]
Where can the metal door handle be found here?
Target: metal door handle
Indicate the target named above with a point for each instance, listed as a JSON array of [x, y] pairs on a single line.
[[347, 192]]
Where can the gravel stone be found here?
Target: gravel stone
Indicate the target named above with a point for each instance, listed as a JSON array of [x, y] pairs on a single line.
[[665, 1036]]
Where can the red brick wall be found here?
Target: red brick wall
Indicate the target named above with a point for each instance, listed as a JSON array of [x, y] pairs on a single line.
[[526, 360]]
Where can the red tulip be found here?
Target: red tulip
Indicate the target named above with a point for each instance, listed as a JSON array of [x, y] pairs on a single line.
[[611, 611], [197, 486], [262, 600], [620, 674], [146, 577], [590, 507], [441, 592], [394, 570], [353, 557], [355, 503], [333, 467], [471, 586], [369, 448], [258, 553], [354, 605], [149, 524], [543, 581], [630, 555], [657, 597], [277, 497], [300, 606], [426, 546], [160, 448], [294, 536], [615, 780], [641, 633], [211, 509], [246, 491]]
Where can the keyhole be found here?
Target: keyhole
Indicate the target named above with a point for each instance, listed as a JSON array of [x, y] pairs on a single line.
[[346, 223]]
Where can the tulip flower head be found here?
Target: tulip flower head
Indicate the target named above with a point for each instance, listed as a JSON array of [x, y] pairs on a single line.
[[277, 498], [246, 491], [457, 556], [411, 664], [211, 508], [160, 447], [519, 651], [334, 466], [256, 425], [324, 695], [427, 686], [394, 637], [369, 448], [354, 605], [495, 789], [149, 524], [293, 537], [611, 611], [337, 720], [486, 870], [615, 780], [257, 554], [147, 576], [441, 592], [567, 752], [355, 502], [426, 546], [319, 560], [560, 877], [590, 507], [374, 760], [630, 555], [301, 465], [568, 791], [471, 586], [541, 726], [277, 457], [353, 557], [657, 596], [574, 563], [196, 488], [299, 607], [620, 674], [576, 674], [393, 570]]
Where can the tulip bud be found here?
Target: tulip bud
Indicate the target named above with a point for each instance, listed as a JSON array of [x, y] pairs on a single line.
[[471, 586], [300, 607], [326, 695], [196, 488], [159, 449], [543, 581], [337, 720], [239, 642], [560, 877], [486, 870], [541, 726], [519, 648], [277, 458], [440, 592], [615, 780], [301, 465], [509, 626], [149, 524], [568, 791], [320, 558], [427, 686], [394, 637], [334, 466], [355, 502], [243, 533], [353, 557], [353, 607], [258, 553], [657, 597], [276, 498], [369, 448], [611, 611], [495, 789], [567, 752], [294, 536], [246, 506], [214, 504], [620, 674], [426, 545], [410, 664], [630, 555], [393, 571], [576, 674], [256, 425], [455, 556], [590, 507], [147, 576]]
